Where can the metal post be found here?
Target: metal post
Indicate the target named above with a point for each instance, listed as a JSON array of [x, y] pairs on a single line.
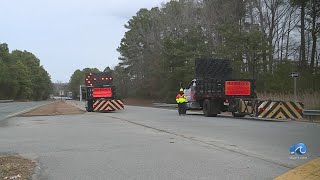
[[295, 75], [61, 94], [80, 94], [295, 87]]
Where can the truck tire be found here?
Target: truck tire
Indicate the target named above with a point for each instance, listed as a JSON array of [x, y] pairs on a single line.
[[207, 108], [88, 109], [236, 114], [89, 106]]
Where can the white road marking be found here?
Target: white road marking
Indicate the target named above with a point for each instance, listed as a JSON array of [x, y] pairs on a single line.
[[25, 111]]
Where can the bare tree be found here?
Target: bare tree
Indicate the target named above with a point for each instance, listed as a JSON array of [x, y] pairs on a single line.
[[314, 13]]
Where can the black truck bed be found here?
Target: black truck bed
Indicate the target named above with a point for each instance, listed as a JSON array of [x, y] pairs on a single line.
[[218, 69], [211, 77]]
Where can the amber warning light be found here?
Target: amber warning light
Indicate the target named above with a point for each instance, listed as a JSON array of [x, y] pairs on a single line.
[[238, 88], [96, 79]]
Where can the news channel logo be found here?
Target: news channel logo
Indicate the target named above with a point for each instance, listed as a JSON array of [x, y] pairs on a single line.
[[299, 148]]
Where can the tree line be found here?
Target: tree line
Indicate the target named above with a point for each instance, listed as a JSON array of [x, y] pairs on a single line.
[[266, 40], [22, 77]]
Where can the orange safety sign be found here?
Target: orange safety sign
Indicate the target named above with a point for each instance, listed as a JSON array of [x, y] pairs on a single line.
[[102, 92], [237, 88]]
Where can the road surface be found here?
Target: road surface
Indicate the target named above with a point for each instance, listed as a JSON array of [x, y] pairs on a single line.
[[151, 143], [7, 109]]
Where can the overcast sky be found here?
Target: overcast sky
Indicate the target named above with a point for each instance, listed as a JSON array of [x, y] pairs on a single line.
[[68, 34]]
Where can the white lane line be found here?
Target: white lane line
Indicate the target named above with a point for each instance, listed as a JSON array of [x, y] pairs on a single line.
[[25, 111]]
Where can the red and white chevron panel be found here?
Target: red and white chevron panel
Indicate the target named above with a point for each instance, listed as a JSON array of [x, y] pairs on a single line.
[[103, 105]]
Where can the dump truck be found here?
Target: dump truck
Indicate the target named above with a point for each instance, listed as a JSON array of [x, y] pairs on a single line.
[[215, 90], [101, 94]]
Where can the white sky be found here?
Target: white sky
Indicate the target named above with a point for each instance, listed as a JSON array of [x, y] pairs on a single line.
[[68, 34]]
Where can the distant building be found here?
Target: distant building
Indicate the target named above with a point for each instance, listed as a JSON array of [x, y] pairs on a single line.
[[61, 87]]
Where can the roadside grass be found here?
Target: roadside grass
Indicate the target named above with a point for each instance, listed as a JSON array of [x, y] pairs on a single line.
[[310, 100], [16, 167]]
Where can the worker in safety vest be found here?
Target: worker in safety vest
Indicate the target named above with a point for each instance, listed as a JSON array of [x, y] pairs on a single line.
[[181, 100]]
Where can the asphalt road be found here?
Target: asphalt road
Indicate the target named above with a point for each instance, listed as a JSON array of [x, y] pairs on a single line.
[[7, 109], [150, 143]]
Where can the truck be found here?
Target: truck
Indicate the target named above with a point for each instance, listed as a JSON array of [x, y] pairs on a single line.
[[101, 94], [215, 90]]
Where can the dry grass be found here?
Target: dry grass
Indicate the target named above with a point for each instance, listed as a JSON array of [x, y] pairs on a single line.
[[56, 108], [310, 100], [16, 167]]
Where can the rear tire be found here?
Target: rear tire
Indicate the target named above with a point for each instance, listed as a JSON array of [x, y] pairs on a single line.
[[207, 108], [236, 114], [89, 106], [88, 110]]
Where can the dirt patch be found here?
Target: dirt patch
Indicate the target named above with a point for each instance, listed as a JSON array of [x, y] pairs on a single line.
[[16, 167], [138, 102], [56, 108]]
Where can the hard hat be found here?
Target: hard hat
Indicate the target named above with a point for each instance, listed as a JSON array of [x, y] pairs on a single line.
[[181, 90]]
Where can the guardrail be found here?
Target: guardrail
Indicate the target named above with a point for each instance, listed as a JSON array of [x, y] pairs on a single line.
[[312, 115], [6, 101]]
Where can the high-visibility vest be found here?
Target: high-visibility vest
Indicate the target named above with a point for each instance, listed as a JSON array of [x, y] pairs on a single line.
[[181, 98]]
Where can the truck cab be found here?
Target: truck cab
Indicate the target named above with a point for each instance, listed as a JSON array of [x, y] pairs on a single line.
[[190, 92]]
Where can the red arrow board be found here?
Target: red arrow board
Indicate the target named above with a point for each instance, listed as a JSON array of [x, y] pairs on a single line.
[[238, 88]]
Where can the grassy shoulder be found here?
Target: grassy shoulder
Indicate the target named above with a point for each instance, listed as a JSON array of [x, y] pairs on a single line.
[[16, 167], [55, 108]]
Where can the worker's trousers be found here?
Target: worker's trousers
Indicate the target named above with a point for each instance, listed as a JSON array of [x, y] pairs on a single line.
[[182, 109]]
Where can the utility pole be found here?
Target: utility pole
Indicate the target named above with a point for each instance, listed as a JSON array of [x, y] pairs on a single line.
[[80, 90], [295, 87], [295, 75]]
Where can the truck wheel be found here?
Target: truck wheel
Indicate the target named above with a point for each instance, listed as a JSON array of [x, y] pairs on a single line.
[[236, 114], [89, 106], [89, 110], [207, 109]]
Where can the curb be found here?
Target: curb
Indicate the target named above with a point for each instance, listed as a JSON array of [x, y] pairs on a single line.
[[159, 105], [77, 105], [25, 111]]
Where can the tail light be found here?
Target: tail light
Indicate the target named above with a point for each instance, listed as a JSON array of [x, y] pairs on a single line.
[[226, 102]]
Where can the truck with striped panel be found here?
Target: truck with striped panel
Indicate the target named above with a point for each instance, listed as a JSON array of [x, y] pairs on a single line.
[[215, 90], [101, 94]]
